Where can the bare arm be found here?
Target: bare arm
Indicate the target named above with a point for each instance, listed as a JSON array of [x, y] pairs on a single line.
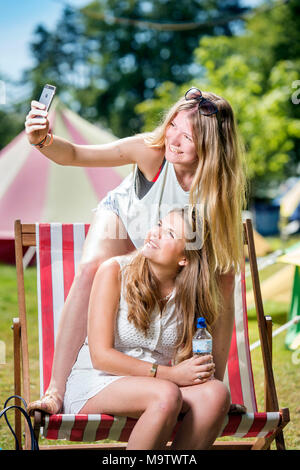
[[103, 308], [117, 153], [129, 150], [222, 330]]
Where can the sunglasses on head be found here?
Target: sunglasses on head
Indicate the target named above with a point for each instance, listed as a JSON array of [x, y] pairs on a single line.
[[206, 107]]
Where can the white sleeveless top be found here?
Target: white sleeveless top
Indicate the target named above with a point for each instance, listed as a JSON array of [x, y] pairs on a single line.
[[140, 215], [159, 345]]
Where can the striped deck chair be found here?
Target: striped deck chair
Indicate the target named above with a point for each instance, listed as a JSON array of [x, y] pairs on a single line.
[[58, 249]]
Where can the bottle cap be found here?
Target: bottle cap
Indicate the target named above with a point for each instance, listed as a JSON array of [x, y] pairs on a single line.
[[201, 323]]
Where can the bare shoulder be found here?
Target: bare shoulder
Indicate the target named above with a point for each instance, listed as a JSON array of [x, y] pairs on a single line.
[[108, 272], [147, 158], [141, 153]]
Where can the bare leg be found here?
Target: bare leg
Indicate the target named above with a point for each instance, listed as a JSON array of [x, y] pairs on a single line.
[[222, 329], [155, 403], [206, 406], [99, 246]]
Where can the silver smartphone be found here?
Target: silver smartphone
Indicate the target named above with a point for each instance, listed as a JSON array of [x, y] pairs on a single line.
[[47, 95]]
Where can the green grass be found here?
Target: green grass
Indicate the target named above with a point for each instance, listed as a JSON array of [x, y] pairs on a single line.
[[287, 374]]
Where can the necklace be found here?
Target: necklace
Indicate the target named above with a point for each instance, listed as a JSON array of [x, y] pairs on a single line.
[[167, 297]]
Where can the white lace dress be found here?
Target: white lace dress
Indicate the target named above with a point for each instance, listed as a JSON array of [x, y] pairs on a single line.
[[158, 346]]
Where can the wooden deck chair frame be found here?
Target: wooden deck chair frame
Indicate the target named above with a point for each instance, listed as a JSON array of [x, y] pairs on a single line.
[[25, 236]]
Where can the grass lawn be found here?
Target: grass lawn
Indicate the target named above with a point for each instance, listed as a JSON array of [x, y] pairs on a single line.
[[287, 374]]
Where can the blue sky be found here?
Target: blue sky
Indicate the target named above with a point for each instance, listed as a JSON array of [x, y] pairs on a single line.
[[18, 19]]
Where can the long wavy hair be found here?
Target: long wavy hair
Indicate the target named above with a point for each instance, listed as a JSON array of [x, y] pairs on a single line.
[[196, 289], [219, 187]]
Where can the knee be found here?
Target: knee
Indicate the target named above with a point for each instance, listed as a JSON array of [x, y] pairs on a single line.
[[227, 283], [168, 398], [221, 396]]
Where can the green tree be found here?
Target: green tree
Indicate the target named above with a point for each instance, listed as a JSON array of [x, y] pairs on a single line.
[[257, 79], [11, 121], [60, 57], [107, 58]]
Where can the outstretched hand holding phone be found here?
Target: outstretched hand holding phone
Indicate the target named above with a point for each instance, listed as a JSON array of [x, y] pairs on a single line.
[[37, 124], [64, 152]]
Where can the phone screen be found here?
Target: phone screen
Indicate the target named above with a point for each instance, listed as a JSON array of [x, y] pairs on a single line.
[[47, 95]]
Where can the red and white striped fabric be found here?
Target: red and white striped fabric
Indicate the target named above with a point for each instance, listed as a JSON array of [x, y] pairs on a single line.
[[238, 374], [59, 248], [97, 427]]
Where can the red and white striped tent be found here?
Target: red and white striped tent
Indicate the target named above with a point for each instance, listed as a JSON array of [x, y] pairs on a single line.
[[34, 189]]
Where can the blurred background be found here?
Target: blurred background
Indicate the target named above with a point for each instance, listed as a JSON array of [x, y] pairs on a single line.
[[117, 65]]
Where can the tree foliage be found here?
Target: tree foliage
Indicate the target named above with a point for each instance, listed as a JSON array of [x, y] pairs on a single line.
[[104, 64], [11, 121], [255, 72]]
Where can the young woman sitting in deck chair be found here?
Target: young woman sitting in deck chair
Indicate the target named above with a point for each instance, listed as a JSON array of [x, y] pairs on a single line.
[[137, 359]]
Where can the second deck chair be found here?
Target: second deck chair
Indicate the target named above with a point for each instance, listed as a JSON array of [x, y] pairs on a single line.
[[59, 249]]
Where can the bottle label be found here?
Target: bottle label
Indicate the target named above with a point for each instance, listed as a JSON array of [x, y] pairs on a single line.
[[202, 346]]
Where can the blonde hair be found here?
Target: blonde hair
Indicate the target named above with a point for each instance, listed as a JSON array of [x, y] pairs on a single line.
[[219, 183], [197, 292]]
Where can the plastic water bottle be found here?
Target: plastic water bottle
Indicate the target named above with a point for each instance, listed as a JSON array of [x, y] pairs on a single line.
[[202, 340]]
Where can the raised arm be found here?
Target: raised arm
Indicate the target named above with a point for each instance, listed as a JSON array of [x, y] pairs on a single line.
[[117, 153]]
